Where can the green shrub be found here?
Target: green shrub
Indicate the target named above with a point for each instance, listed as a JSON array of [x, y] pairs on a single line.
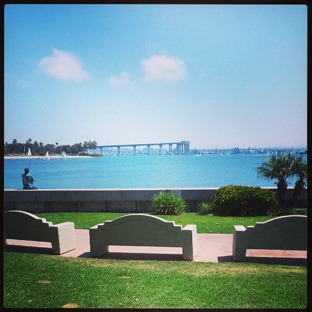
[[168, 204], [286, 210], [206, 208], [236, 200]]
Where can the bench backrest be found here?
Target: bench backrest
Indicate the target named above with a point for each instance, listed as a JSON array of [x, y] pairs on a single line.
[[140, 230], [26, 226], [22, 225], [284, 233], [281, 233]]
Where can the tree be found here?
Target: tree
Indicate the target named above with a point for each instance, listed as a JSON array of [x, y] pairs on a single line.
[[49, 148], [66, 148], [6, 148], [16, 148], [74, 149], [300, 170], [280, 167], [92, 145], [85, 146]]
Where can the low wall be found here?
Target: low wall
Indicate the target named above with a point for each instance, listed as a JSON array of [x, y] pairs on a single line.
[[106, 200]]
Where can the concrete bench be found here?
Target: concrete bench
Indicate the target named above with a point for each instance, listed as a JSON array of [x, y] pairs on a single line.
[[143, 230], [281, 233], [23, 225]]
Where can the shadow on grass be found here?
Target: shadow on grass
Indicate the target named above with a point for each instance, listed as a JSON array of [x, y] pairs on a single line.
[[109, 255], [282, 261], [28, 249], [268, 260], [142, 256]]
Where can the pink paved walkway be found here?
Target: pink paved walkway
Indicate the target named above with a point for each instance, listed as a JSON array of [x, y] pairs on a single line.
[[211, 248]]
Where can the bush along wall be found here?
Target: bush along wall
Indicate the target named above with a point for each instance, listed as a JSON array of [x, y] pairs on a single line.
[[238, 200], [168, 204]]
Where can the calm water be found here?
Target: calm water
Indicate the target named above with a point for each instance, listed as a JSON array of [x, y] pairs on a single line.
[[139, 171]]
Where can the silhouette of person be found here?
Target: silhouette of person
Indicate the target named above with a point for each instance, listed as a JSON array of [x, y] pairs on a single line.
[[28, 180]]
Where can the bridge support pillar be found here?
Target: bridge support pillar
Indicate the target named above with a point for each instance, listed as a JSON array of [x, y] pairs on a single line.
[[187, 148], [179, 149], [182, 147]]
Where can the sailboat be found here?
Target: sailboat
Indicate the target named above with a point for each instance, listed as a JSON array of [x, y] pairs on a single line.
[[47, 156], [29, 152], [63, 155]]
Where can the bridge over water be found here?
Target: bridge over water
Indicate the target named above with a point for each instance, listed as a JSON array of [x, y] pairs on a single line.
[[183, 147]]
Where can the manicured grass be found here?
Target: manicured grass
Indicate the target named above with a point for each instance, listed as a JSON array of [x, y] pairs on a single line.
[[204, 223], [46, 281]]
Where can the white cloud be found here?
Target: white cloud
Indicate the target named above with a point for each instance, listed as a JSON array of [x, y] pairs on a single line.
[[162, 67], [63, 65], [123, 80]]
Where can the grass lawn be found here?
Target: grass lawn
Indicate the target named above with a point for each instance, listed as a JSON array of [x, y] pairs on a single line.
[[204, 223], [46, 281], [49, 281]]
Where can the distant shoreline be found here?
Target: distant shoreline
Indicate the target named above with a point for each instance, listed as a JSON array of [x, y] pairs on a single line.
[[43, 157]]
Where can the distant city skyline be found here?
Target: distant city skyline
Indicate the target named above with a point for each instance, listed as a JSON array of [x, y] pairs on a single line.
[[143, 145], [216, 75]]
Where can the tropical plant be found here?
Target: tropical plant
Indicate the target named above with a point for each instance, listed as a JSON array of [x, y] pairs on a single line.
[[300, 170], [168, 204], [206, 208], [280, 167]]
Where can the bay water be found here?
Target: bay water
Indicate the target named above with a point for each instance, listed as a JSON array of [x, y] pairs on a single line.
[[139, 171]]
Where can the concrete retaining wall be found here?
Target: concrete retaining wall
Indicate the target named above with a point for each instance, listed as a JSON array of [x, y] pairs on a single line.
[[107, 200]]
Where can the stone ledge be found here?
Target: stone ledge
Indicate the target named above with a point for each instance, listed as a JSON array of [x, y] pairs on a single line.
[[112, 200]]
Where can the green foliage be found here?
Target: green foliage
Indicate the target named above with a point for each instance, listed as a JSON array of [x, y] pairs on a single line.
[[236, 200], [300, 171], [286, 210], [281, 210], [38, 149], [206, 208], [167, 204], [281, 167]]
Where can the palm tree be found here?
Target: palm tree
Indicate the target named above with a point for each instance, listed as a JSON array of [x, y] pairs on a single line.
[[280, 167], [85, 146], [300, 170]]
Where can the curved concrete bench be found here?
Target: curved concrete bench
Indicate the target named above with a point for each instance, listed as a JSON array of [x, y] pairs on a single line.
[[281, 233], [23, 225], [143, 230]]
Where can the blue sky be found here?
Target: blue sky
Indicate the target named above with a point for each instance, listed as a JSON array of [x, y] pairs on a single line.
[[216, 75]]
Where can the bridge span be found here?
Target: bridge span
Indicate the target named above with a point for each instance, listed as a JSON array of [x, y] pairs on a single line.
[[183, 147]]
